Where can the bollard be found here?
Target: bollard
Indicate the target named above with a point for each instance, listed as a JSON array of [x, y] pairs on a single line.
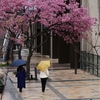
[[35, 73], [31, 76]]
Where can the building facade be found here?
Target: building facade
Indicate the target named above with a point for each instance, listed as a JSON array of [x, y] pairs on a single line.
[[56, 48], [90, 49]]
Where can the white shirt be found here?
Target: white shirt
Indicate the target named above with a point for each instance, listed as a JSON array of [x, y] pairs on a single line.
[[44, 74]]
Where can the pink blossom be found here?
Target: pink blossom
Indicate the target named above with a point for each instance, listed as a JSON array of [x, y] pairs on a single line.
[[66, 20]]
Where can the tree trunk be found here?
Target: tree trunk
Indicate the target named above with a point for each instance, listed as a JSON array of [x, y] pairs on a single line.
[[11, 50], [28, 63], [28, 68], [19, 52], [76, 65], [30, 52]]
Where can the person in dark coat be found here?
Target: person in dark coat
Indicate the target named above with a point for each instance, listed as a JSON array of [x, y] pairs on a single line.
[[21, 74]]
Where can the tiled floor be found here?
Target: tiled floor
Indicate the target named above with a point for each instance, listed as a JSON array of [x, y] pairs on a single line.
[[62, 84]]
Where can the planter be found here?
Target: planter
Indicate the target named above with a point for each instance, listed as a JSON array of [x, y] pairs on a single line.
[[1, 86]]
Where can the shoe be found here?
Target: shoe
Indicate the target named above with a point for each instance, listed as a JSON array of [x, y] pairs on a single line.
[[20, 89]]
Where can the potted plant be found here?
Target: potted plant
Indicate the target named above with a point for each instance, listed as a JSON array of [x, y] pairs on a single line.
[[1, 86], [1, 80]]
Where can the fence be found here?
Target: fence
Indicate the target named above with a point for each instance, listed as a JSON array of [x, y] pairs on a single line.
[[90, 63]]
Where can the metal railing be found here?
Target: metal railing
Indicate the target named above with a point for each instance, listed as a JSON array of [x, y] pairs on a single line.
[[90, 63]]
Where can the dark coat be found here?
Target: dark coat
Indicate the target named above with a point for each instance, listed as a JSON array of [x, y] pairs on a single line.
[[21, 74]]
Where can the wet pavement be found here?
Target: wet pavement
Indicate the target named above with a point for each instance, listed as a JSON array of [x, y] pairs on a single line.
[[63, 84]]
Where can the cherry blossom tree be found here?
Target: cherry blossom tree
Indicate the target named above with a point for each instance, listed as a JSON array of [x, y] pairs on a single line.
[[68, 21], [12, 22]]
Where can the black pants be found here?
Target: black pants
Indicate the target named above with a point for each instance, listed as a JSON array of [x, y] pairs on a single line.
[[43, 83]]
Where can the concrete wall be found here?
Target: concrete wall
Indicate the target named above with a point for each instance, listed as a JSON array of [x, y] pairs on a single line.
[[94, 40]]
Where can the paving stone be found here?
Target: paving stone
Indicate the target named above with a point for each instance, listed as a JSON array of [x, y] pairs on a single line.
[[63, 84]]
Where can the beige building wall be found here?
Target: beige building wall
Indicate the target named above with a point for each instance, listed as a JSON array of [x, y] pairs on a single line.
[[94, 40]]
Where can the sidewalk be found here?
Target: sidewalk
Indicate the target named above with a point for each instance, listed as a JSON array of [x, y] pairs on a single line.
[[62, 84]]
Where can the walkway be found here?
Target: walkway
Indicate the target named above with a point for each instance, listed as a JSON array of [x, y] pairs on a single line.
[[62, 84]]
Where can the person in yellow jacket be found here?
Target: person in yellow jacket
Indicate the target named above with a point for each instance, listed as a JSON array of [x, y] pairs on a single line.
[[44, 76]]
